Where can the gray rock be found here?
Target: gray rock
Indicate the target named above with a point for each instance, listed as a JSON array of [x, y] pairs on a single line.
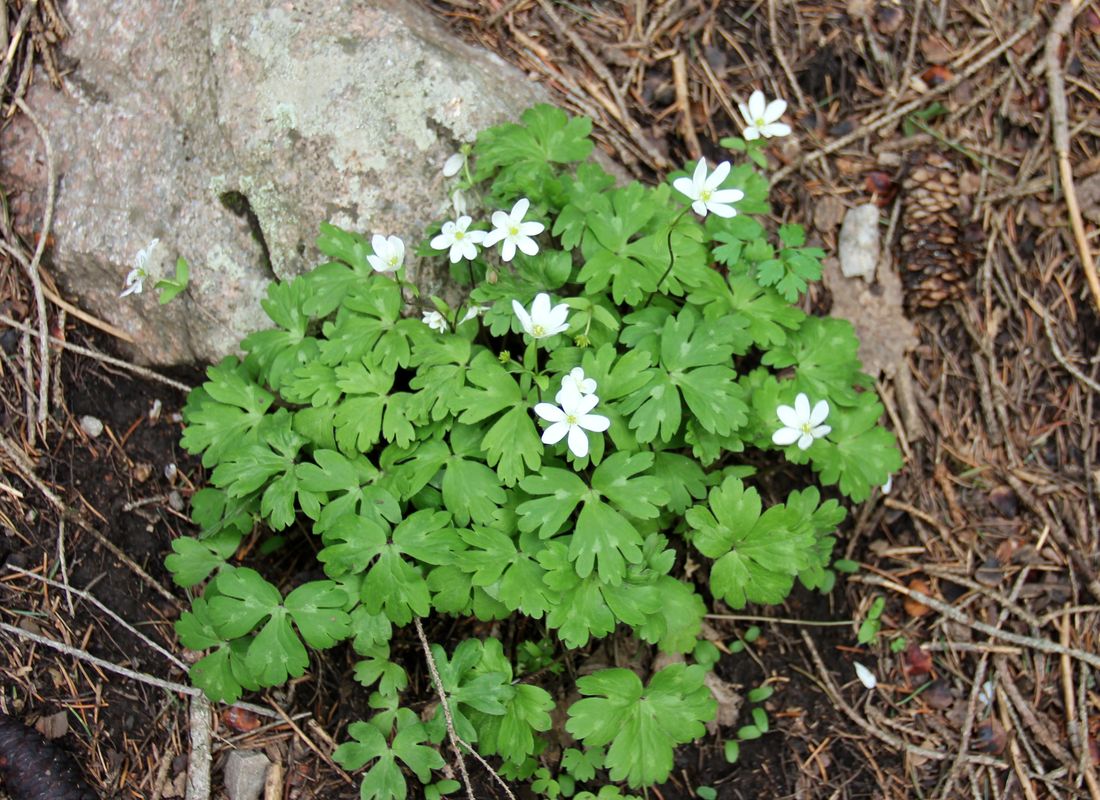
[[245, 773], [230, 131], [93, 426], [858, 245]]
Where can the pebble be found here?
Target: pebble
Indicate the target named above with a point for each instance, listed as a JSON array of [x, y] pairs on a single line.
[[859, 242], [245, 773], [93, 426]]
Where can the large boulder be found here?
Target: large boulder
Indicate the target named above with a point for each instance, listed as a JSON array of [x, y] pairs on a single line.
[[229, 131]]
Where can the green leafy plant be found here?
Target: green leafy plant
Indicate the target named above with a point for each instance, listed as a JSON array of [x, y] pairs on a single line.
[[552, 448]]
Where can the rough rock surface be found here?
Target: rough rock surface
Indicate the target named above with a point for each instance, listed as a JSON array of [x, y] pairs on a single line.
[[230, 131], [245, 773]]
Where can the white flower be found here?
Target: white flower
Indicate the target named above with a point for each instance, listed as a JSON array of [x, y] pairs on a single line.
[[389, 253], [866, 677], [435, 321], [763, 117], [543, 321], [514, 232], [572, 417], [453, 164], [462, 243], [575, 381], [800, 423], [139, 273], [473, 312], [704, 192]]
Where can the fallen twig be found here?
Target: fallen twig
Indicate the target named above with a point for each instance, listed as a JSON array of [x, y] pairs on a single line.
[[1056, 86], [1043, 645], [198, 765]]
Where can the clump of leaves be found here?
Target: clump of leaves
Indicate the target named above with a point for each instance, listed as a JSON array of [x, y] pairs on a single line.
[[541, 451]]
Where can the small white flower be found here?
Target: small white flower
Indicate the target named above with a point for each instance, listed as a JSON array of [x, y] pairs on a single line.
[[453, 164], [866, 677], [389, 253], [461, 242], [704, 193], [435, 321], [543, 321], [473, 312], [886, 487], [514, 232], [572, 417], [763, 117], [800, 423], [140, 272], [575, 381]]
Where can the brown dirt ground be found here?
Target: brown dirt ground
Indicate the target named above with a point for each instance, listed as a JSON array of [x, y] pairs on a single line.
[[993, 517]]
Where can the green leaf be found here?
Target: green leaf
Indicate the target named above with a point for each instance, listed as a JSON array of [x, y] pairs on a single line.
[[317, 611], [384, 780], [244, 598], [824, 354], [471, 491], [193, 560], [618, 479], [858, 455], [224, 413], [557, 493], [513, 446], [606, 538], [642, 724], [170, 288], [756, 554], [583, 765], [277, 352]]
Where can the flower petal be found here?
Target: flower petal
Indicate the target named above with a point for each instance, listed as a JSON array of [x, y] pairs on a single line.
[[786, 436], [820, 431], [805, 441], [776, 129], [820, 412], [866, 677], [788, 416], [531, 228], [750, 133], [494, 236], [722, 210], [757, 106], [727, 196], [527, 245], [776, 108], [556, 432], [700, 208], [594, 422], [549, 412], [508, 252], [519, 210], [685, 187], [578, 441], [802, 407], [699, 177], [453, 164], [522, 315], [442, 241], [744, 109], [719, 175], [540, 308]]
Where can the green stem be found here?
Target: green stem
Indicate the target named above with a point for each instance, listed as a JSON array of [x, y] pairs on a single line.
[[671, 261]]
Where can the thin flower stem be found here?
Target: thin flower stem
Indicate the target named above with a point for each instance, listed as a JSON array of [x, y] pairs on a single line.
[[671, 261]]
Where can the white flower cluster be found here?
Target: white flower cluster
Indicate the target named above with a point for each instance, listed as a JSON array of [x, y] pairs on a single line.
[[135, 278], [509, 229], [572, 415]]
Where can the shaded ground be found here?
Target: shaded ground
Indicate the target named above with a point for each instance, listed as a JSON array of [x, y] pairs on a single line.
[[940, 113]]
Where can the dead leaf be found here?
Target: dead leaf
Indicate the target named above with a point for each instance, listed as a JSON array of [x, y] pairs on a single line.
[[936, 50], [1088, 197], [885, 333], [729, 702], [915, 608], [54, 726], [828, 214], [241, 720]]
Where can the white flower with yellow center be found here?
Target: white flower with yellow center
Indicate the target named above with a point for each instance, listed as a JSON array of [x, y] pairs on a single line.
[[801, 423], [514, 232], [543, 320], [704, 193], [763, 117], [389, 253], [571, 418], [461, 242]]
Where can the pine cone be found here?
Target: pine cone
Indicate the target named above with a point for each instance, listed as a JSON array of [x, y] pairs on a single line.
[[938, 251], [34, 768]]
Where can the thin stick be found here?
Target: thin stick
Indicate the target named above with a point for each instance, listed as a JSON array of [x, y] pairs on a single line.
[[1056, 87], [36, 280], [773, 30], [873, 125], [106, 359], [1078, 735], [94, 601], [781, 620], [141, 677], [16, 38], [452, 734], [312, 745], [198, 765], [64, 567], [1043, 645]]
